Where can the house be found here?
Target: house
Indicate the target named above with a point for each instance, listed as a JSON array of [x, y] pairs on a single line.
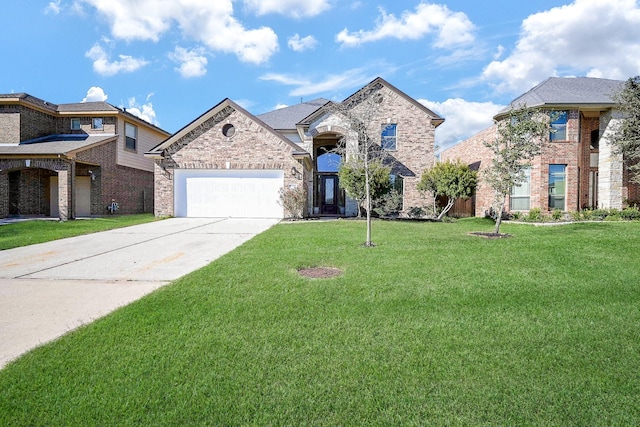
[[73, 160], [577, 168], [231, 163]]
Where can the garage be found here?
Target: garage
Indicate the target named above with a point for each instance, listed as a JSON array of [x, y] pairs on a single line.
[[209, 193]]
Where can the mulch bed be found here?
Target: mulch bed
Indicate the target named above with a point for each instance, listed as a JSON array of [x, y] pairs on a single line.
[[320, 272], [490, 235]]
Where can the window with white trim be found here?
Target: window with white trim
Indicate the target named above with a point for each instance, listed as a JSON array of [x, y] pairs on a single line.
[[131, 136], [520, 198]]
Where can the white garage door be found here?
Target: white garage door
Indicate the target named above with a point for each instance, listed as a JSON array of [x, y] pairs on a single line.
[[211, 193]]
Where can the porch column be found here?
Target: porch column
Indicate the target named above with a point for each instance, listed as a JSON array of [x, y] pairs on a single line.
[[610, 165], [64, 191]]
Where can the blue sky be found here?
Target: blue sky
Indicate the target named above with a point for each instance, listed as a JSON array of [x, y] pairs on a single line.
[[171, 60]]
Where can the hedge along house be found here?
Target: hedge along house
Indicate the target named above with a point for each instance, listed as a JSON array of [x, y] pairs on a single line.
[[577, 168], [71, 160], [230, 163]]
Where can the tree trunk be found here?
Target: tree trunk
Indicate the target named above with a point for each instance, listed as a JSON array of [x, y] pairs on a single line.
[[446, 209], [499, 214], [367, 188]]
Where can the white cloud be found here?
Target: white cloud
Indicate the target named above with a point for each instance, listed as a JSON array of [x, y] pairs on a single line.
[[144, 111], [53, 7], [332, 83], [452, 28], [193, 63], [203, 21], [300, 44], [462, 119], [280, 106], [586, 37], [104, 66], [292, 8], [95, 93]]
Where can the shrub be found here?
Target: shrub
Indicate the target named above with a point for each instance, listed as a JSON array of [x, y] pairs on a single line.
[[535, 215], [630, 213], [516, 215], [576, 215], [557, 215], [389, 204], [293, 200], [416, 212]]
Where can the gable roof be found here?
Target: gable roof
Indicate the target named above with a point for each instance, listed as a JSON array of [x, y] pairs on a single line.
[[438, 120], [568, 91], [157, 150], [88, 108], [287, 118]]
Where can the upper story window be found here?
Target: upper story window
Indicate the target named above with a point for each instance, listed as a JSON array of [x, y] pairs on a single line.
[[96, 123], [75, 124], [559, 125], [389, 136], [131, 136]]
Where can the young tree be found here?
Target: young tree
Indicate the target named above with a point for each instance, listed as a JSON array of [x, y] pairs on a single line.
[[520, 137], [453, 180], [626, 137], [352, 179], [360, 113]]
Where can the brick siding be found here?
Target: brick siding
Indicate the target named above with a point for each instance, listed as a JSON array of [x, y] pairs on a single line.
[[251, 147]]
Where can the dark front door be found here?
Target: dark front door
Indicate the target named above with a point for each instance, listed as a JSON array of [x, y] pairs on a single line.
[[329, 194]]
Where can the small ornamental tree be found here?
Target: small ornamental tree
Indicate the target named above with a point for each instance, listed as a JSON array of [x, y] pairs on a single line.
[[520, 137], [453, 180], [352, 179], [361, 115], [626, 137]]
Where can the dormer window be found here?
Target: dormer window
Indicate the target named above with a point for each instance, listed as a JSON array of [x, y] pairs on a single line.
[[75, 124], [96, 123]]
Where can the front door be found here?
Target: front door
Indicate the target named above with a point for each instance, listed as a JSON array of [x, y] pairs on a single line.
[[329, 194]]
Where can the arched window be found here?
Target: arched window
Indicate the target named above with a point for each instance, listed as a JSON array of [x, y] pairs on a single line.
[[329, 162]]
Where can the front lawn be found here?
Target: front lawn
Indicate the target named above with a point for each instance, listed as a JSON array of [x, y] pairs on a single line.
[[431, 327], [39, 231]]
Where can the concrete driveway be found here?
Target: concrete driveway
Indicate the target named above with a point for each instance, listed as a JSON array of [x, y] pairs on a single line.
[[51, 288]]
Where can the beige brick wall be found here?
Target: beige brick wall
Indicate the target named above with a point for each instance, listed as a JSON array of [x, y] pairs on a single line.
[[251, 147]]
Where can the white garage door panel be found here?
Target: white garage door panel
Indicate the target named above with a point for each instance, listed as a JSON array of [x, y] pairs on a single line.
[[239, 194]]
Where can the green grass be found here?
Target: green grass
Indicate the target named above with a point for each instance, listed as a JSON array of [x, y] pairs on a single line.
[[30, 232], [430, 327]]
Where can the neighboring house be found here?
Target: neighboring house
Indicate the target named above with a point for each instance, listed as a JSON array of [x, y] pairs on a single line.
[[230, 163], [72, 160], [577, 168]]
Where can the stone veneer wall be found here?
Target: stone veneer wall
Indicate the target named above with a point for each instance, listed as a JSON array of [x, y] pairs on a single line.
[[205, 147]]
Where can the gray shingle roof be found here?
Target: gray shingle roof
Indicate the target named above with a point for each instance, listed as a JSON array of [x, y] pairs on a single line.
[[82, 107], [559, 91], [288, 117], [54, 145]]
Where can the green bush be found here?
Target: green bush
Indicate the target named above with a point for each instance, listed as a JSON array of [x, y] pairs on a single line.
[[416, 212], [557, 215], [516, 216], [630, 213], [535, 215]]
